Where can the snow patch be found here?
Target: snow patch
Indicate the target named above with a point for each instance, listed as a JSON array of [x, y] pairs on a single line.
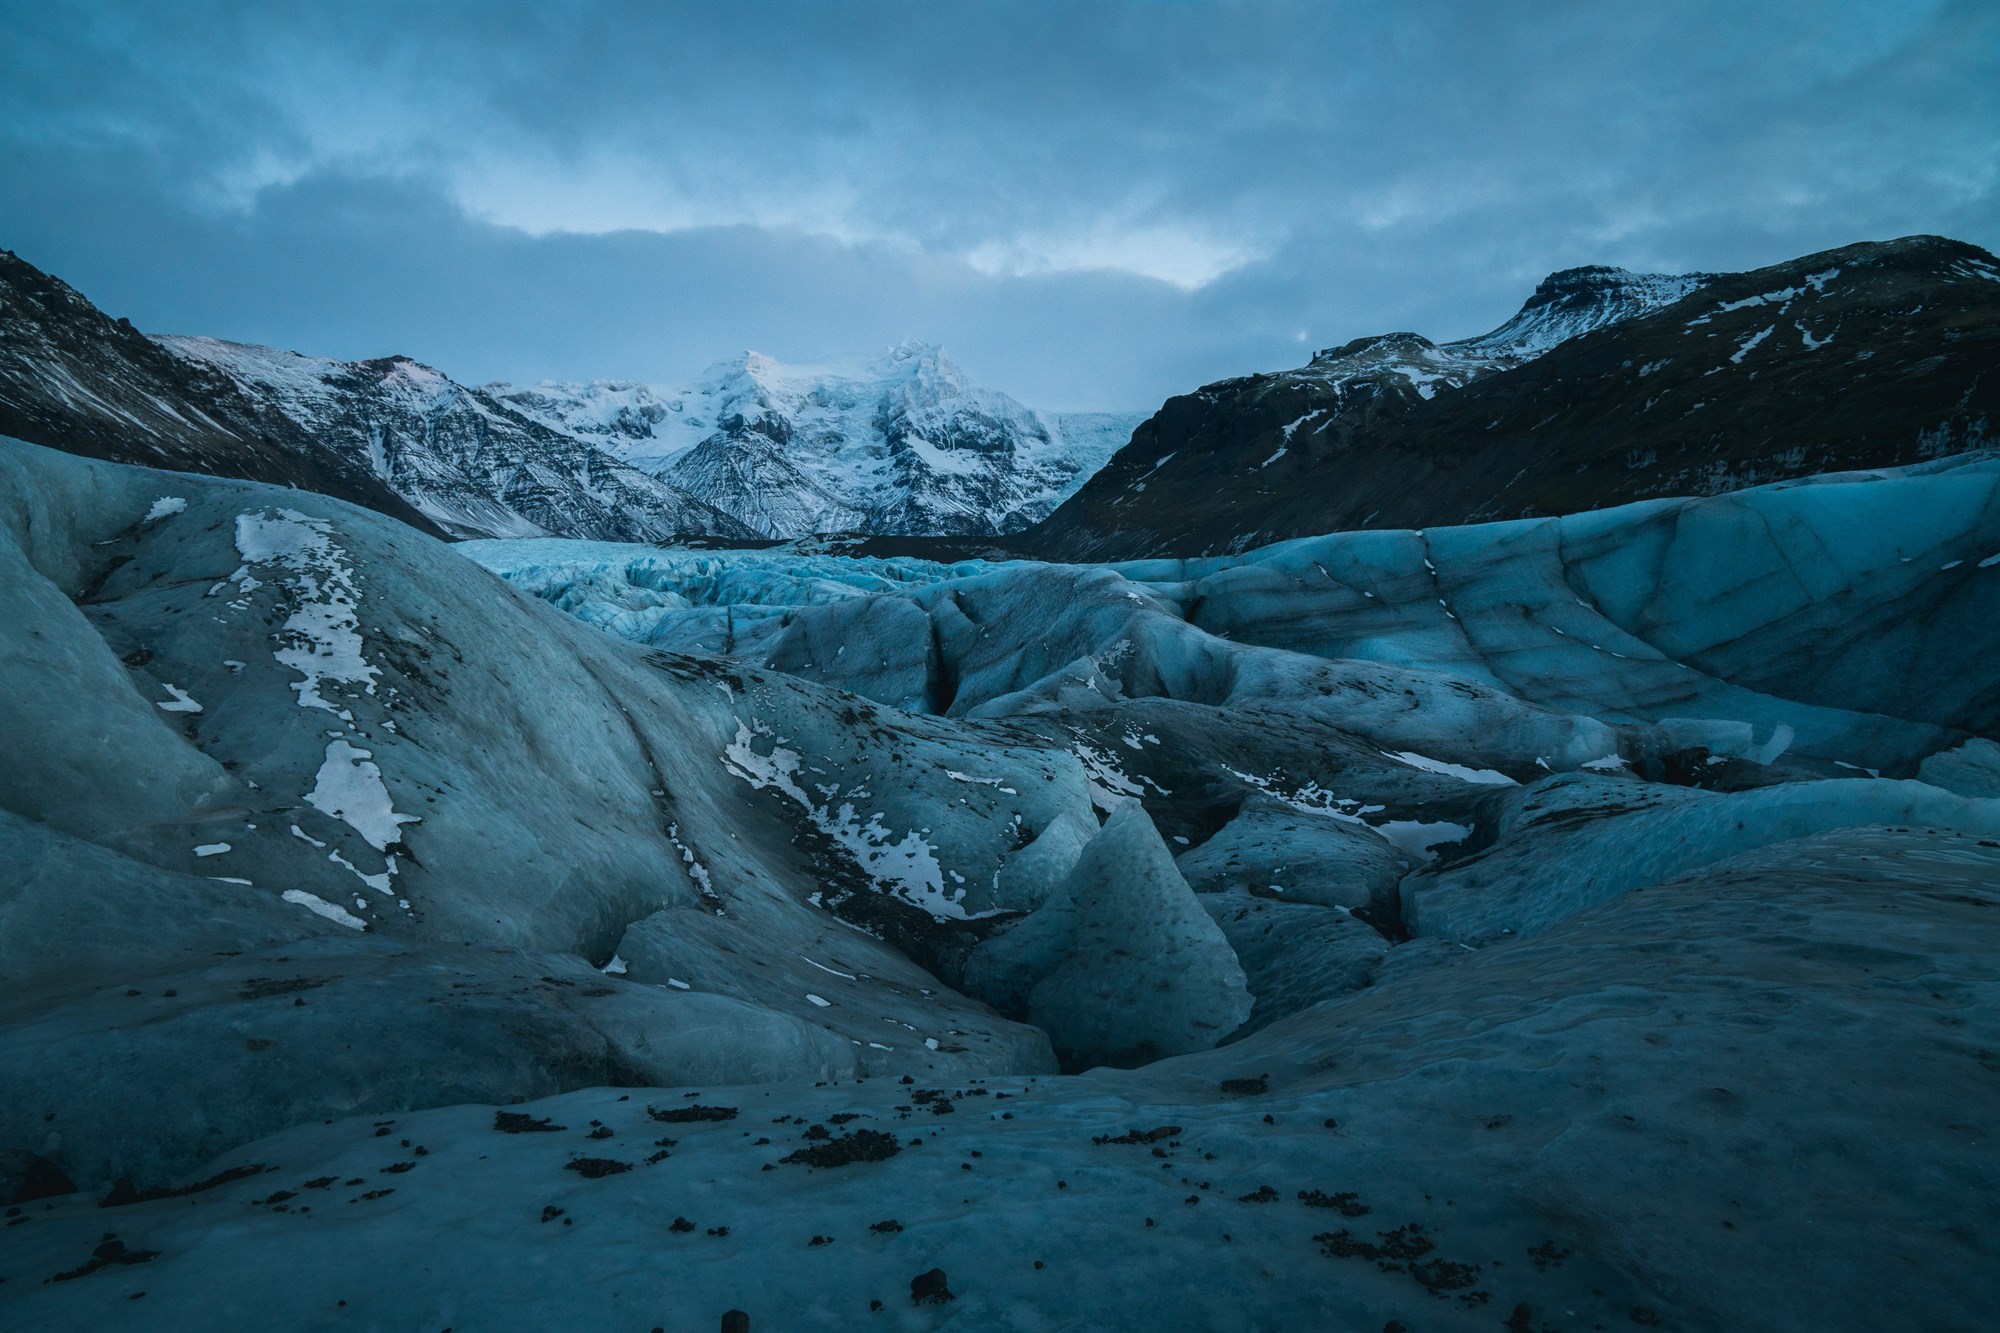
[[1109, 787], [1483, 776], [1417, 838], [905, 867], [321, 907], [350, 788], [323, 633], [704, 883], [180, 703], [1750, 344]]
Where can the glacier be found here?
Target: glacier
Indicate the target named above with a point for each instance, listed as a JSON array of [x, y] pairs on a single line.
[[1556, 911]]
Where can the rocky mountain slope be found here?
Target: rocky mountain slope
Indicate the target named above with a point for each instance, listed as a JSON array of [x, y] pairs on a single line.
[[1606, 387], [470, 463], [900, 444], [73, 378], [1515, 925]]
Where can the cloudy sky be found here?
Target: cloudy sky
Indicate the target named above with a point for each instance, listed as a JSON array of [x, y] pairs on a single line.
[[1090, 205]]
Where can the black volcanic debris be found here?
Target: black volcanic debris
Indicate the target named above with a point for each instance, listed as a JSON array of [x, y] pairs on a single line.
[[861, 1145], [594, 1168], [514, 1122], [931, 1288], [683, 1115], [124, 1192], [1346, 1204], [110, 1252], [1139, 1135]]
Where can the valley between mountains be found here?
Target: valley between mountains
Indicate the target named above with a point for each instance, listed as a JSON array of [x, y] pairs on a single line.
[[1501, 834]]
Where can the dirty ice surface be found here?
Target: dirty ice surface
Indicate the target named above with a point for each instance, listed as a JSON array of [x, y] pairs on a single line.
[[1517, 926]]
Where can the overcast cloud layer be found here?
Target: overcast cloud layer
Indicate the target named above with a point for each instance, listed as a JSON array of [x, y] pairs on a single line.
[[1091, 206]]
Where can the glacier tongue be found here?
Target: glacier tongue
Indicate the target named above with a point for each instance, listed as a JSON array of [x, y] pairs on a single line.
[[1314, 722], [1492, 892]]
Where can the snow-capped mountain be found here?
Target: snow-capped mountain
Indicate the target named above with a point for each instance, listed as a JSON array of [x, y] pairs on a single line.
[[473, 465], [902, 443], [73, 378], [1607, 386], [1566, 305]]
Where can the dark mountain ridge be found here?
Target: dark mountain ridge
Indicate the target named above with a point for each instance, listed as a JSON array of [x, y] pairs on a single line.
[[1873, 355], [75, 379]]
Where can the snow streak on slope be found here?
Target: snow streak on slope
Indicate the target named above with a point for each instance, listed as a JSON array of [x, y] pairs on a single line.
[[324, 636], [906, 867], [321, 640]]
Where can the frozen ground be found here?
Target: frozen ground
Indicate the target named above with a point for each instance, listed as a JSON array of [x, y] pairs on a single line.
[[1593, 919]]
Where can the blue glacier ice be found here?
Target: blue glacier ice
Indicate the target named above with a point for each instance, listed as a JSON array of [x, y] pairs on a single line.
[[1614, 890]]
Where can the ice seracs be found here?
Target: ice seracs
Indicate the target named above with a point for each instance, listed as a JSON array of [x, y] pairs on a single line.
[[1141, 971]]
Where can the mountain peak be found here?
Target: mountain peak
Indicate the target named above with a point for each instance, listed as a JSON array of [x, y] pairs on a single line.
[[1396, 344], [913, 359], [1606, 386], [914, 349], [898, 441], [1596, 286], [1574, 301]]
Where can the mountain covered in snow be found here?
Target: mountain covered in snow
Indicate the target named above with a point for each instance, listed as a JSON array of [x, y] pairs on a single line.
[[900, 444], [470, 463], [73, 378], [1607, 386]]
